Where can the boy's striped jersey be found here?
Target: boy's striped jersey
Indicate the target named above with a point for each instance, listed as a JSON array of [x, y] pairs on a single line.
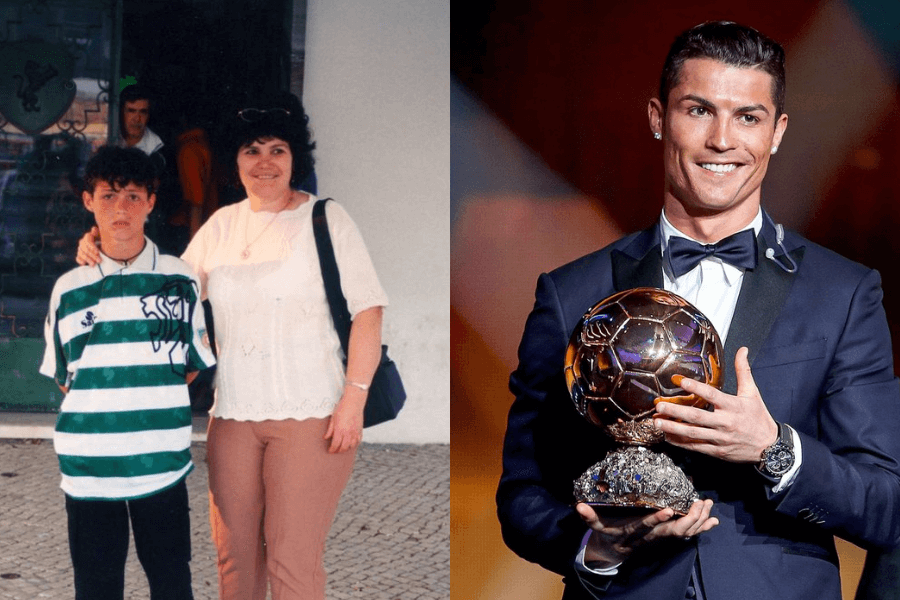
[[122, 339]]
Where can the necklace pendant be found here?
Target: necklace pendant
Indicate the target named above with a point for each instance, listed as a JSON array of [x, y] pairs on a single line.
[[245, 253]]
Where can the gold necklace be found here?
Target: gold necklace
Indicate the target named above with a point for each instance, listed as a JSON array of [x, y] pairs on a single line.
[[245, 254]]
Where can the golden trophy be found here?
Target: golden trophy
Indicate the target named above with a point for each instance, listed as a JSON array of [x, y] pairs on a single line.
[[619, 363]]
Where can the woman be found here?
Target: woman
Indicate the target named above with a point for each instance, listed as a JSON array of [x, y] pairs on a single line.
[[287, 419]]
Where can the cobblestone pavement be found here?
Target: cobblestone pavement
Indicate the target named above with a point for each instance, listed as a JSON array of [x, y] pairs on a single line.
[[390, 540]]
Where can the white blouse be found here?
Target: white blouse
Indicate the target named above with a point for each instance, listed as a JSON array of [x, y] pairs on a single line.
[[279, 356]]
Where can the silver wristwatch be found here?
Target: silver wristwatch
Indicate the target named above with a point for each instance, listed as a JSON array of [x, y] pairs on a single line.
[[777, 459]]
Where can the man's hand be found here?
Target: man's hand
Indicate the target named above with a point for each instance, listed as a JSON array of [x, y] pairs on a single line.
[[614, 539], [88, 253], [739, 428]]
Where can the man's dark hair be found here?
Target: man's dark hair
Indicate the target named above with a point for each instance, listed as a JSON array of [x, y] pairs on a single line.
[[135, 92], [272, 115], [729, 43], [118, 167], [130, 94]]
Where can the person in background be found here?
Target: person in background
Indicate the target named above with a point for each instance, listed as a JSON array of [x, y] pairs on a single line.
[[195, 173], [135, 104], [134, 115], [197, 177], [880, 578]]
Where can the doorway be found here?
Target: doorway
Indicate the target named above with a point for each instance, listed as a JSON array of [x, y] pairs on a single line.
[[197, 55]]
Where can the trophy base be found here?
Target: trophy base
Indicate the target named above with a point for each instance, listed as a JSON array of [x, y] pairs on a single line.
[[636, 478], [618, 511]]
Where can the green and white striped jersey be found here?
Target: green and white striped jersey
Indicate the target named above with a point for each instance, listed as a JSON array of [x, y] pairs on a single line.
[[122, 339]]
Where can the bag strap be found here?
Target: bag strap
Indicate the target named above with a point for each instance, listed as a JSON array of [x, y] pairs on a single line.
[[330, 275]]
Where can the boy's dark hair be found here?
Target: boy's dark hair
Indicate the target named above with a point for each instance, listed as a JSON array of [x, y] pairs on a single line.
[[272, 115], [118, 167], [729, 43]]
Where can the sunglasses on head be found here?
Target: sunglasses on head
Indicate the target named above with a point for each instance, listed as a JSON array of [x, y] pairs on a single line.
[[252, 115]]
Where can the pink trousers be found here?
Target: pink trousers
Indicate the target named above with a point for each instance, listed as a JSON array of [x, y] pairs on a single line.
[[273, 492]]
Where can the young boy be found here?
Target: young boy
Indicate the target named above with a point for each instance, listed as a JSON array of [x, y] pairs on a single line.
[[123, 340]]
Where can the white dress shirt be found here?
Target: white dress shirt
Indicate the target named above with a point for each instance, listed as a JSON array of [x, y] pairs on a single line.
[[712, 286]]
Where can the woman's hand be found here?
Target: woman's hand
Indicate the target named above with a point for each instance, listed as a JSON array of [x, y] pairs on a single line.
[[345, 425], [88, 252]]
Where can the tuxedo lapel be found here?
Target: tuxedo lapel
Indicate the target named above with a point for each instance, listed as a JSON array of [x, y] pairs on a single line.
[[639, 264], [763, 292]]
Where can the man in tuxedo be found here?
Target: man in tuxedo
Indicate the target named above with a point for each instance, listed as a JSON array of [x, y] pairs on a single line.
[[801, 443]]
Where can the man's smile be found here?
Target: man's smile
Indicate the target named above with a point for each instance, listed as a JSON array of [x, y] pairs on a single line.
[[719, 168]]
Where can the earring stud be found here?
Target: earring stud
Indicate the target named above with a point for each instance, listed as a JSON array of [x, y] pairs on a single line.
[[657, 136], [774, 149]]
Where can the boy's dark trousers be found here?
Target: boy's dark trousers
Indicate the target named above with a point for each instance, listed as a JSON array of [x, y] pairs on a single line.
[[98, 541]]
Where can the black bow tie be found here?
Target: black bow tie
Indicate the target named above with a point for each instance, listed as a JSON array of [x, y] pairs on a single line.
[[738, 250]]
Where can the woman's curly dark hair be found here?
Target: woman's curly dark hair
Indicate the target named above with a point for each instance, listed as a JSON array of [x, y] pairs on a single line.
[[275, 115]]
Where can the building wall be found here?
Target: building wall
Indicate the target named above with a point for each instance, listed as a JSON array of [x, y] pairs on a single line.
[[376, 86]]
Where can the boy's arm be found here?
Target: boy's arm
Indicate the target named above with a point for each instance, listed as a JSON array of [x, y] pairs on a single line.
[[54, 363], [189, 377]]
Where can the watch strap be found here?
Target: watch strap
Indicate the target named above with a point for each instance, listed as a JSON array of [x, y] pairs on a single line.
[[784, 442]]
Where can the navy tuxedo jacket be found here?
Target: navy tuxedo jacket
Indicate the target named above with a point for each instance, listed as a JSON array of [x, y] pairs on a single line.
[[820, 353]]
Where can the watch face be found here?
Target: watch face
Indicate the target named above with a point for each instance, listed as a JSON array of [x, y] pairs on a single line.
[[779, 460]]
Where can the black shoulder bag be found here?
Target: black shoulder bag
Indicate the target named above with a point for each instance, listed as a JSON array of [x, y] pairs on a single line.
[[386, 393]]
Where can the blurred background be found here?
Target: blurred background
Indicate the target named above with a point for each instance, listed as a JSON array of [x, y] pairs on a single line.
[[552, 158]]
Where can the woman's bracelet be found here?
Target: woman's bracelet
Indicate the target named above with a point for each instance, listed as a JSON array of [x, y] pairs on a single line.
[[363, 386]]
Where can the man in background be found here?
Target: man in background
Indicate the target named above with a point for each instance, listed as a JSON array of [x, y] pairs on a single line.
[[134, 115]]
